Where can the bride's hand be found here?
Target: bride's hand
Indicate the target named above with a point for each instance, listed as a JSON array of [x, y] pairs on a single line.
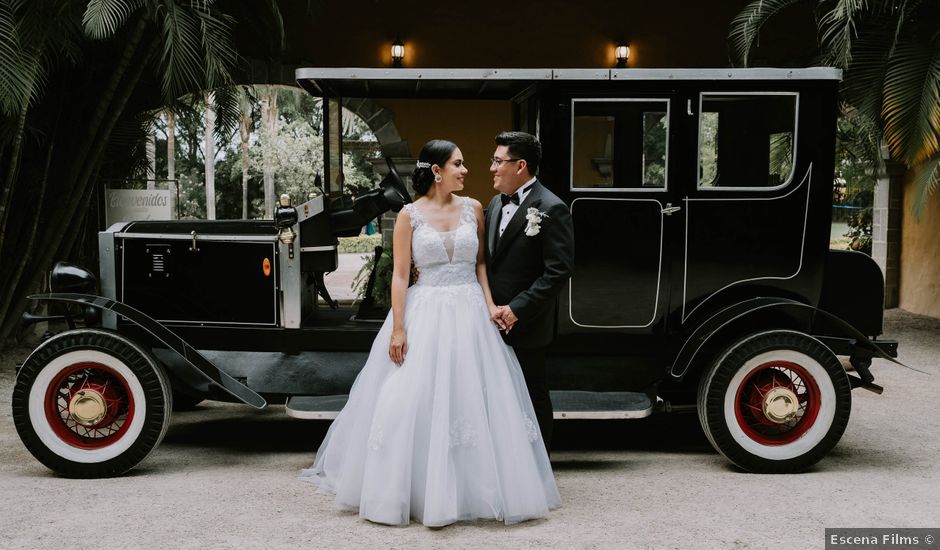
[[496, 315], [398, 347]]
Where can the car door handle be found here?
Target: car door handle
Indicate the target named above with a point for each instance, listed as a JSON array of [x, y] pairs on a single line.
[[670, 209]]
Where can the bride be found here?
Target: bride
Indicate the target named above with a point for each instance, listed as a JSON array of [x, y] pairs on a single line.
[[439, 426]]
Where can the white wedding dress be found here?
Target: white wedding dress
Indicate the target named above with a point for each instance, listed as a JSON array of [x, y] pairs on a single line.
[[450, 434]]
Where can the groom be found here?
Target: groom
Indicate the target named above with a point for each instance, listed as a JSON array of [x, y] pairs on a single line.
[[529, 257]]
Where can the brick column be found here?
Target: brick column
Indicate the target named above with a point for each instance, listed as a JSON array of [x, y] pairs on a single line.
[[886, 227]]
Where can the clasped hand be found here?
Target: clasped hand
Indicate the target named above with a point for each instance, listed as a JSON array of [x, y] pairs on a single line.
[[503, 317]]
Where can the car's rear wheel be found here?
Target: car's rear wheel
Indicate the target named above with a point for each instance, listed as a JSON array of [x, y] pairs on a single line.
[[91, 403], [775, 402]]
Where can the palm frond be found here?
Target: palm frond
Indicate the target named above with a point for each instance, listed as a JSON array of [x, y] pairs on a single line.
[[227, 111], [911, 109], [181, 59], [744, 32], [925, 181], [219, 54], [18, 68], [838, 28], [103, 18]]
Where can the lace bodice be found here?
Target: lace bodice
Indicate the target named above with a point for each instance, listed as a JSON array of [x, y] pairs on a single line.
[[444, 257]]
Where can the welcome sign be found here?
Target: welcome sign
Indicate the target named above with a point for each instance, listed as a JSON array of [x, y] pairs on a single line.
[[125, 205]]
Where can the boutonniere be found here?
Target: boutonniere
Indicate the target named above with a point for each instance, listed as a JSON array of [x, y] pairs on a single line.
[[534, 218]]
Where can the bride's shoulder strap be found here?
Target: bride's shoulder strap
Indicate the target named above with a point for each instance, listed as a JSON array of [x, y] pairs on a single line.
[[414, 213], [468, 214]]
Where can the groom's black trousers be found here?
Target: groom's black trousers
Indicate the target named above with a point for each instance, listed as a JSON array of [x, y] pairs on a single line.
[[532, 361]]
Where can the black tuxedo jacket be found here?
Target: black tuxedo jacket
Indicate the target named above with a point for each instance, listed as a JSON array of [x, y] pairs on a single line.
[[527, 272]]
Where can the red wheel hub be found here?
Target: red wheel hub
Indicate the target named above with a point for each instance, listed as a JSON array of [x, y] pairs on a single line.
[[777, 403], [89, 405]]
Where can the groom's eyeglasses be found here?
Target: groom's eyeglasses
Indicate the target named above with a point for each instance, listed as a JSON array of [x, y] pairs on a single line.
[[499, 162]]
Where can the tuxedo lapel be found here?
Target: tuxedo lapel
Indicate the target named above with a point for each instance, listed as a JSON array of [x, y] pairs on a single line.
[[492, 224], [518, 220]]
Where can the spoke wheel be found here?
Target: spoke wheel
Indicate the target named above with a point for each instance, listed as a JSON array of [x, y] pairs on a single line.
[[91, 403], [775, 402]]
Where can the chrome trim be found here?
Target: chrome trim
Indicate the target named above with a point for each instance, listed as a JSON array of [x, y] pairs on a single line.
[[556, 415], [362, 73], [198, 237], [318, 248], [290, 284], [309, 209], [698, 152], [108, 280], [807, 179], [601, 415], [311, 415], [580, 74], [809, 73], [664, 188], [659, 272]]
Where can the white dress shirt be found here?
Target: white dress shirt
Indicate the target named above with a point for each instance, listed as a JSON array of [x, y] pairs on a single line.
[[509, 209]]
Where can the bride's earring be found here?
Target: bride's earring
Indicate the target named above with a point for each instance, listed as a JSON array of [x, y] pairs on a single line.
[[438, 178]]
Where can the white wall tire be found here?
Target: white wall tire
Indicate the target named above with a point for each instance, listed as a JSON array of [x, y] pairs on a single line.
[[131, 396], [736, 402]]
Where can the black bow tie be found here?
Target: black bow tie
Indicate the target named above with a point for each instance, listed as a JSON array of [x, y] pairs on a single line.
[[506, 199]]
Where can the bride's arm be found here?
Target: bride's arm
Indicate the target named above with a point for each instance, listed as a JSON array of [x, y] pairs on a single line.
[[401, 245], [481, 257]]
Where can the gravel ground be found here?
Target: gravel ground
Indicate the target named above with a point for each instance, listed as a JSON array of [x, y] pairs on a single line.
[[225, 477]]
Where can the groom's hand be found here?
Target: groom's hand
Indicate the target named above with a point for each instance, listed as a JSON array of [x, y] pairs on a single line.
[[496, 315], [508, 317]]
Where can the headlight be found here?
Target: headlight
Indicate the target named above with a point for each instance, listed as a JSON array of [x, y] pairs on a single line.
[[66, 277]]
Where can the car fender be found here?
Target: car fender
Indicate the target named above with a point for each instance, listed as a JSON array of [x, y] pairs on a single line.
[[702, 334], [192, 358]]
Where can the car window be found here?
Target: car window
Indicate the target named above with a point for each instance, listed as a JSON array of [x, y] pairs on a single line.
[[746, 140], [619, 144]]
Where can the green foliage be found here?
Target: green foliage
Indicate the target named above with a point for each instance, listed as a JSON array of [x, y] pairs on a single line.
[[360, 244], [295, 153], [382, 291], [856, 164]]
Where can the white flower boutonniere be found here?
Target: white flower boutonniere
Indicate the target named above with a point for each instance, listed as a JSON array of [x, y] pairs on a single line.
[[534, 218]]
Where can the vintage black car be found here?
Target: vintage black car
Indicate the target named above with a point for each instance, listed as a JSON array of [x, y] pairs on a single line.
[[703, 281]]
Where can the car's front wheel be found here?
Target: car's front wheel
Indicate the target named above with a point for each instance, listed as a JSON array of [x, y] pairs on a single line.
[[90, 403], [775, 402]]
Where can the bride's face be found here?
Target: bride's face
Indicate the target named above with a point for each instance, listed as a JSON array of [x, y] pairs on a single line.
[[453, 173]]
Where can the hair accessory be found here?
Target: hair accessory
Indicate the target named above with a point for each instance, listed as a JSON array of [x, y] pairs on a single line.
[[421, 164]]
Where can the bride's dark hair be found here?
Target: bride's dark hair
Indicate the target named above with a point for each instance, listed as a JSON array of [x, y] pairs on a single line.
[[436, 151]]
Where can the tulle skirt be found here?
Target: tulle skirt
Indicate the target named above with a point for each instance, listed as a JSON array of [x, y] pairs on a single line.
[[449, 435]]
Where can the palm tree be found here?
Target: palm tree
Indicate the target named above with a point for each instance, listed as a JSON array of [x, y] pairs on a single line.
[[889, 51], [75, 78]]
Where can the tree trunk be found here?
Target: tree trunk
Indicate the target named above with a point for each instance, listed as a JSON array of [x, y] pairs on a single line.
[[244, 129], [171, 155], [209, 156], [268, 134], [151, 160]]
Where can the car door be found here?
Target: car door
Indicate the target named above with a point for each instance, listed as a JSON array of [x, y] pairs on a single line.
[[625, 217]]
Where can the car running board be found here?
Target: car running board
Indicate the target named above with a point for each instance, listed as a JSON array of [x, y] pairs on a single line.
[[568, 405]]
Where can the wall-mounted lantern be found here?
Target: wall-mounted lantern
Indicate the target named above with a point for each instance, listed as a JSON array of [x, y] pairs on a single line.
[[622, 53], [398, 52]]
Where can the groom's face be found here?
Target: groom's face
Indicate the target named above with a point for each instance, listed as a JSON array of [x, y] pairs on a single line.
[[509, 174]]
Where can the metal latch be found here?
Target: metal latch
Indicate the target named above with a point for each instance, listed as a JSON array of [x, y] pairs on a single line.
[[670, 209], [193, 248]]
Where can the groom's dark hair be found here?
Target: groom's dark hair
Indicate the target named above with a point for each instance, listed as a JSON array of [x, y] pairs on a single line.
[[522, 146]]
